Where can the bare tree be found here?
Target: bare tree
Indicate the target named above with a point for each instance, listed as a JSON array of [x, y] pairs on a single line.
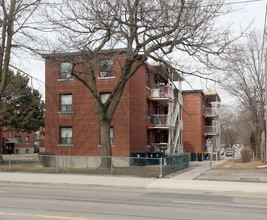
[[245, 80], [145, 28], [236, 126], [14, 15], [228, 128]]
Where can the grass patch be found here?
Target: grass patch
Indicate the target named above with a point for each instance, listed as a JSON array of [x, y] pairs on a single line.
[[141, 171], [239, 164]]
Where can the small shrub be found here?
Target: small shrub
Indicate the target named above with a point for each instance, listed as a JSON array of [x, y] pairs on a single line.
[[246, 154], [46, 159]]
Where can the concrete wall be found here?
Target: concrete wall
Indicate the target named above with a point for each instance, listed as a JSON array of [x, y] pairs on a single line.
[[85, 161]]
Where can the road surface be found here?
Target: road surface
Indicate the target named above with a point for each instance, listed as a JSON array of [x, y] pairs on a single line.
[[28, 202]]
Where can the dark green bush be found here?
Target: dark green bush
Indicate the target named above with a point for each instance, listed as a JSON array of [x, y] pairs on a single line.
[[246, 154]]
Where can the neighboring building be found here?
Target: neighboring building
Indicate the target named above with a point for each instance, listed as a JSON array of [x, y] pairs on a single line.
[[39, 143], [12, 142], [142, 121], [201, 121]]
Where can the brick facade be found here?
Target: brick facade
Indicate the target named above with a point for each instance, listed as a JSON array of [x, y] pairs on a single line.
[[129, 122], [201, 121], [26, 145], [193, 118]]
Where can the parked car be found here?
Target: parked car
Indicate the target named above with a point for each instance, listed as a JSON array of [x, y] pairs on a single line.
[[221, 151], [230, 152]]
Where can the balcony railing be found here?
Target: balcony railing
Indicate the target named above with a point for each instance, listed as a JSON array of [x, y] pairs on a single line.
[[211, 130], [180, 99], [160, 146], [159, 120], [161, 91], [181, 124], [211, 111]]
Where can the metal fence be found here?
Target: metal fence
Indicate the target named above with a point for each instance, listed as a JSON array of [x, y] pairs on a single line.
[[131, 166]]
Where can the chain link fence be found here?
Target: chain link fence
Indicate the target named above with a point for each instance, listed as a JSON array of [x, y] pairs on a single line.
[[131, 166]]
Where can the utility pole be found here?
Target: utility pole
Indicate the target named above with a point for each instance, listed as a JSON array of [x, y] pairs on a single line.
[[265, 71], [265, 109]]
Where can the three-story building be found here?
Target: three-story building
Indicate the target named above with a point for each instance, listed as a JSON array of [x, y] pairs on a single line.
[[147, 118]]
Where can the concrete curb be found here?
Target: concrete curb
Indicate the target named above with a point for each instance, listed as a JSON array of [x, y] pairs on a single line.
[[135, 183]]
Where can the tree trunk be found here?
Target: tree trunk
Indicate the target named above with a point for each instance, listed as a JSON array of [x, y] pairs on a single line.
[[104, 128]]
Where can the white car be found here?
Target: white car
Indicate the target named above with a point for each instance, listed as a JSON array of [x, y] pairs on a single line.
[[230, 152]]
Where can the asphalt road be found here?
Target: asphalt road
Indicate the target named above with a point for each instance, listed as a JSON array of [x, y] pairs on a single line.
[[25, 202]]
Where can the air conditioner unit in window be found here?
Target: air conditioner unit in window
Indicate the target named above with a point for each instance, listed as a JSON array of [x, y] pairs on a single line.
[[103, 74]]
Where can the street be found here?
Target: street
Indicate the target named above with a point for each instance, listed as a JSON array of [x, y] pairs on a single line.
[[28, 202]]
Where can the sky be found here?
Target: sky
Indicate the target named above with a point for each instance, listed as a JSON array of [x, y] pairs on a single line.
[[251, 11], [250, 14]]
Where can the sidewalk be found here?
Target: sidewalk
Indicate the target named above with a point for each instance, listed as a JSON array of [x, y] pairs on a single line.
[[186, 181]]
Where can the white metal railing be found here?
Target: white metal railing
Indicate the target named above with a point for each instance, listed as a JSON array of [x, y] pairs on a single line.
[[159, 121], [181, 124], [180, 99], [211, 111], [162, 91], [211, 129]]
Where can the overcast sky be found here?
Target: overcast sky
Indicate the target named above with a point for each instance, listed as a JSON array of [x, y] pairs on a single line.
[[252, 11], [250, 14]]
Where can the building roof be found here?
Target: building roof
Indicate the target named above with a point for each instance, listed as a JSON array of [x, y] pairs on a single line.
[[193, 91], [166, 71], [212, 95], [80, 53], [12, 140]]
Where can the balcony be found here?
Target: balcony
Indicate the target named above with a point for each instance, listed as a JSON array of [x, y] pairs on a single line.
[[160, 121], [180, 99], [211, 112], [181, 124], [211, 130], [161, 93], [160, 146]]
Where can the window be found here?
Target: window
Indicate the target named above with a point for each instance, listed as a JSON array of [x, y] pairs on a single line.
[[65, 70], [27, 151], [66, 135], [104, 96], [18, 138], [66, 103], [27, 140], [17, 151], [106, 67], [111, 135]]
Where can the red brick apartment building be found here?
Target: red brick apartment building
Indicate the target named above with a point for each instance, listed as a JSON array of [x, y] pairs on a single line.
[[201, 121], [16, 143], [142, 120]]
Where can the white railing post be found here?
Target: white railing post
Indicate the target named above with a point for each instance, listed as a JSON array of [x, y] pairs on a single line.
[[160, 174]]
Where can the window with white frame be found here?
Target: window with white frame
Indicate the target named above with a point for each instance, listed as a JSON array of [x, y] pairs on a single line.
[[104, 96], [65, 70], [106, 67], [66, 102], [65, 135], [27, 139], [111, 135]]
